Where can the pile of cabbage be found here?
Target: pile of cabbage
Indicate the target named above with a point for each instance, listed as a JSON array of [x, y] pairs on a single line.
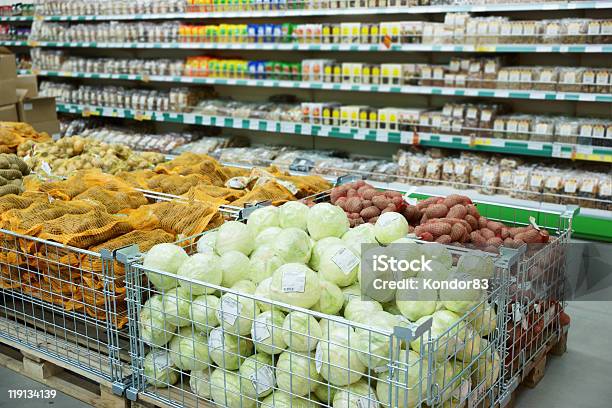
[[240, 352]]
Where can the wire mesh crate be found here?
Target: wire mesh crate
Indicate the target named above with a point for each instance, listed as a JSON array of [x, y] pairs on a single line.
[[407, 366], [65, 302]]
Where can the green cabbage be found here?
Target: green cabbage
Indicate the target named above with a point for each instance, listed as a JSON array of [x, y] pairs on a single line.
[[325, 392], [176, 304], [257, 376], [356, 308], [293, 245], [357, 395], [326, 220], [296, 373], [301, 331], [412, 375], [199, 383], [204, 268], [234, 236], [263, 291], [437, 272], [471, 349], [226, 350], [337, 359], [438, 253], [407, 249], [293, 214], [206, 243], [339, 265], [234, 266], [476, 266], [263, 218], [189, 350], [281, 399], [414, 304], [295, 284], [488, 367], [154, 330], [204, 312], [164, 257], [226, 390], [351, 292], [389, 227], [267, 237], [245, 286], [462, 300], [375, 345], [319, 247], [264, 261], [267, 332], [331, 300], [159, 369], [361, 234], [484, 319], [236, 313]]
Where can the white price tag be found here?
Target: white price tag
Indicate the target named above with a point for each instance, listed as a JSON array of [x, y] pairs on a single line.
[[363, 402], [516, 312], [215, 340], [46, 168], [260, 330], [262, 379], [381, 369], [319, 358], [294, 281], [532, 221], [462, 392], [230, 309], [161, 360], [345, 260]]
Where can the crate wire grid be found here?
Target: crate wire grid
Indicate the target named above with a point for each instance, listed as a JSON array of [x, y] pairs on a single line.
[[340, 334], [39, 279]]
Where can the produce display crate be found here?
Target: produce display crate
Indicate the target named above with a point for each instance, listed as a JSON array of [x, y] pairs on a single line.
[[440, 382]]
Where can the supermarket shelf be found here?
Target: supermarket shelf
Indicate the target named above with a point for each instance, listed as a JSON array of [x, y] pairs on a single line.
[[15, 18], [526, 48], [421, 90], [14, 44], [535, 6], [531, 148]]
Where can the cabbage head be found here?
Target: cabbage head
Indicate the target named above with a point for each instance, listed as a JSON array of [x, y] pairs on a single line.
[[357, 395], [375, 345], [296, 284], [263, 291], [204, 312], [225, 389], [159, 369], [389, 227], [206, 243], [226, 350], [262, 218], [461, 300], [264, 261], [236, 313], [189, 350], [319, 247], [234, 236], [267, 332], [339, 265], [437, 252], [351, 292], [234, 266], [176, 304], [257, 376], [331, 300], [412, 375], [487, 368], [357, 309], [476, 266], [337, 360], [293, 214], [293, 245], [484, 319], [301, 331], [296, 373], [361, 234], [267, 236], [326, 220], [414, 304], [199, 383], [201, 267], [154, 329], [164, 257], [245, 286], [282, 399]]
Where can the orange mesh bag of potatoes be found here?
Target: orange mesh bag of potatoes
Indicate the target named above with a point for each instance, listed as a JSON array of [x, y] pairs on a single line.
[[84, 230], [227, 195], [175, 184], [113, 201], [269, 191], [12, 134], [185, 160], [12, 201], [138, 178]]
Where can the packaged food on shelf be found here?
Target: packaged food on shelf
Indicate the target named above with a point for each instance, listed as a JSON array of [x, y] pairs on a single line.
[[112, 7]]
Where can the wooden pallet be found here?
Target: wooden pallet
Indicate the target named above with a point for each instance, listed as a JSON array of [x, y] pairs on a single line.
[[60, 376], [181, 394]]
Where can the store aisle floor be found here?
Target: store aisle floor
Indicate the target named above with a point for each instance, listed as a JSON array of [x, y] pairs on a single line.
[[580, 378]]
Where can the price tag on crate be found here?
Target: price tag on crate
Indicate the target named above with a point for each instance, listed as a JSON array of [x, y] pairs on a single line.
[[345, 260], [293, 280], [230, 309], [533, 223], [260, 329], [263, 380]]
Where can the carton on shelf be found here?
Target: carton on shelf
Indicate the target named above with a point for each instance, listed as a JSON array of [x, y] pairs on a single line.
[[29, 83], [8, 113], [8, 77]]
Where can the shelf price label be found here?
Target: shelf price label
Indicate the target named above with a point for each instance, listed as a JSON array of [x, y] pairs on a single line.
[[140, 116], [87, 112]]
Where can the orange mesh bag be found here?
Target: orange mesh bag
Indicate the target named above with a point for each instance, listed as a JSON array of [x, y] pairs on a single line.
[[114, 201], [175, 184], [186, 159], [84, 230], [64, 190], [137, 179], [12, 201], [198, 194], [12, 134], [221, 193], [28, 221], [270, 190]]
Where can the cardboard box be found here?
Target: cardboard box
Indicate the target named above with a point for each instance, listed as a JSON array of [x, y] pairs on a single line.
[[8, 113], [8, 77], [28, 83], [51, 127], [37, 110]]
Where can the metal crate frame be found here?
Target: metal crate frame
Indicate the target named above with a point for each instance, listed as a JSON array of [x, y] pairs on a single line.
[[480, 395], [86, 337]]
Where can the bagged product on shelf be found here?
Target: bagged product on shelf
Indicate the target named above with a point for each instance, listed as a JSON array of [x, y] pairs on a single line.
[[566, 130], [489, 179], [546, 78], [576, 31], [589, 188], [553, 184], [605, 191], [543, 129], [520, 182], [570, 79]]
